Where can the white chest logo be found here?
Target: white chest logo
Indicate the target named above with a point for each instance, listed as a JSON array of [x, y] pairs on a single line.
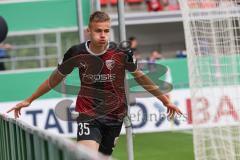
[[110, 64]]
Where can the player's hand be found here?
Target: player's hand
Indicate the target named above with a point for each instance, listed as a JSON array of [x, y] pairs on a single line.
[[172, 109], [18, 107]]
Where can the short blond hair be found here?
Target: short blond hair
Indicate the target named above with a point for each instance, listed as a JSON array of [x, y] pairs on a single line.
[[98, 16]]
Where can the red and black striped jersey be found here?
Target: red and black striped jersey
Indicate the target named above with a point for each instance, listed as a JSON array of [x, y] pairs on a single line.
[[102, 92]]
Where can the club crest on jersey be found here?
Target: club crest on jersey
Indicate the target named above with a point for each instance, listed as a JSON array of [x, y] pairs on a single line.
[[110, 63]]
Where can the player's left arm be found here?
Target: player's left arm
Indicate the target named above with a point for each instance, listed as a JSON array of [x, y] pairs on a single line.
[[151, 87]]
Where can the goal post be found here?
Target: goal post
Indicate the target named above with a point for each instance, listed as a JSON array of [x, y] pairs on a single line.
[[212, 36]]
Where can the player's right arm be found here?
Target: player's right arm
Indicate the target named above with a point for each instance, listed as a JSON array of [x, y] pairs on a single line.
[[55, 78]]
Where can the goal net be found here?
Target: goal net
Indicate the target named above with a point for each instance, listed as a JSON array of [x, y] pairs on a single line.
[[212, 35]]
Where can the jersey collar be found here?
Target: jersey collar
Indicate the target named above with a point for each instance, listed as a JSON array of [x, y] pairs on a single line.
[[95, 54]]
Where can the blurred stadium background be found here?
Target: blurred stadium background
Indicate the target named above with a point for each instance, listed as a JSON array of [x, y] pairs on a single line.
[[40, 32]]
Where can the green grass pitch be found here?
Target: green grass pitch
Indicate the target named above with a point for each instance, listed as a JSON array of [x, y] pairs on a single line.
[[158, 146]]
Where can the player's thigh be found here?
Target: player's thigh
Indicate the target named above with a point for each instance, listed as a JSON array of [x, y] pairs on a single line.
[[109, 139], [93, 145], [88, 133]]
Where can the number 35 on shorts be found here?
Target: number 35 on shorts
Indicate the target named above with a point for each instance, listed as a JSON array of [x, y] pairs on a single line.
[[83, 129]]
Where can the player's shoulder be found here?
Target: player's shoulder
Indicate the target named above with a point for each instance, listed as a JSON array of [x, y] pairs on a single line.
[[114, 47], [77, 49]]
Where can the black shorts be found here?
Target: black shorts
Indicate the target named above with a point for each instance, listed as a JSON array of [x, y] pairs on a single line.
[[104, 132]]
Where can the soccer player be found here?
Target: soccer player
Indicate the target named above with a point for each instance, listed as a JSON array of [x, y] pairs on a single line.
[[101, 100]]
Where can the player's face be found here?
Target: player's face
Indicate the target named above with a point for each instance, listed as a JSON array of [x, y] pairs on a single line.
[[99, 33]]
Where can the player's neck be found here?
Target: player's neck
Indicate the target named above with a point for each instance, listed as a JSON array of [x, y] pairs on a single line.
[[97, 49]]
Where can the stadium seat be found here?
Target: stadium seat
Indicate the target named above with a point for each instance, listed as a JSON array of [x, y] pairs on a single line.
[[104, 2], [113, 2], [134, 1], [154, 5]]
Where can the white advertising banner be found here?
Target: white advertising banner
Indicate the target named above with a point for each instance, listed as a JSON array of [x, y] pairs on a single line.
[[147, 115], [216, 106]]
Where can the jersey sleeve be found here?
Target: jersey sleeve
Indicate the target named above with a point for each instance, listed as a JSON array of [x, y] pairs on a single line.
[[130, 65], [68, 63]]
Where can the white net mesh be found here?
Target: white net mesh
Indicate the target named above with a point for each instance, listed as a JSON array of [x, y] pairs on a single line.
[[212, 34]]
